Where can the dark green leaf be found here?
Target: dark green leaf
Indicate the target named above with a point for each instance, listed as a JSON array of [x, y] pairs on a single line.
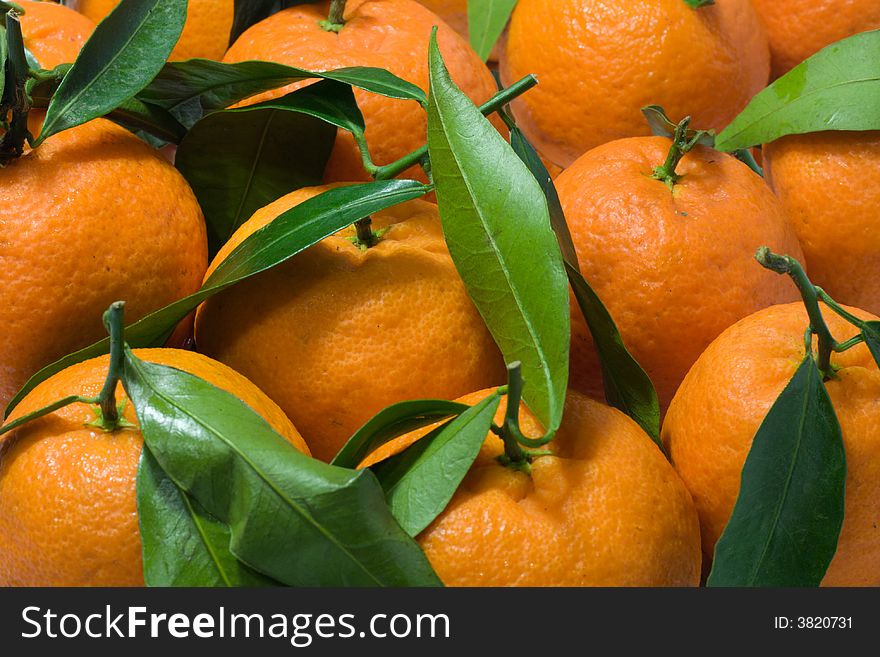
[[838, 88], [871, 334], [787, 519], [627, 386], [191, 89], [238, 161], [420, 481], [291, 232], [291, 517], [125, 52], [486, 21], [250, 12], [142, 117], [183, 545], [392, 422], [696, 4], [497, 226]]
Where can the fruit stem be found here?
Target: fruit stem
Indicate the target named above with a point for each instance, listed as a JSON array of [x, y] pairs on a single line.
[[366, 238], [680, 146], [496, 102], [17, 72], [510, 433], [335, 21], [109, 413], [784, 264], [840, 310]]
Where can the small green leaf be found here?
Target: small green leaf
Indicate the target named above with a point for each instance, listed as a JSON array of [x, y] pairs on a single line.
[[627, 387], [290, 232], [191, 89], [125, 52], [497, 226], [291, 517], [486, 21], [391, 422], [183, 545], [696, 4], [4, 53], [420, 481], [787, 519], [838, 88], [238, 161], [871, 334]]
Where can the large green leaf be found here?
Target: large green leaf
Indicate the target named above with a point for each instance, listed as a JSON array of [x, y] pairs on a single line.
[[497, 226], [486, 21], [787, 519], [124, 53], [290, 232], [291, 517], [838, 88], [183, 545], [420, 481], [238, 161], [193, 88], [391, 422]]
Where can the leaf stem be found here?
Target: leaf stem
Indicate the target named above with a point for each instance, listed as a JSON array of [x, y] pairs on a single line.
[[109, 413], [335, 21], [510, 433], [680, 146], [784, 264], [840, 310], [15, 97]]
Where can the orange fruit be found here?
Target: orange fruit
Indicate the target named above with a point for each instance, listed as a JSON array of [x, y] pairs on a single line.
[[53, 33], [606, 509], [599, 62], [675, 268], [390, 34], [829, 184], [205, 34], [714, 417], [338, 332], [68, 514], [91, 216], [800, 28]]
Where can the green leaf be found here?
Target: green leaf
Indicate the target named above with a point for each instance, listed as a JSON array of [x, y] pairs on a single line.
[[696, 4], [251, 12], [291, 517], [871, 335], [191, 89], [391, 422], [497, 225], [291, 232], [238, 161], [627, 387], [420, 481], [183, 545], [4, 53], [838, 88], [125, 52], [486, 21], [787, 519]]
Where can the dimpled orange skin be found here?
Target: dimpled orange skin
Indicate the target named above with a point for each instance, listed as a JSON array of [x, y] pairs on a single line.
[[68, 514], [600, 61], [337, 333], [52, 33], [390, 34], [829, 184], [675, 268], [605, 510], [797, 29], [205, 33], [713, 419], [91, 216]]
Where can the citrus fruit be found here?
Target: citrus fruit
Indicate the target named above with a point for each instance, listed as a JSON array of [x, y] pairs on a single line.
[[674, 267], [339, 332], [797, 29], [606, 509], [714, 417], [91, 216], [829, 185], [205, 34], [68, 515], [599, 62], [53, 33], [390, 34]]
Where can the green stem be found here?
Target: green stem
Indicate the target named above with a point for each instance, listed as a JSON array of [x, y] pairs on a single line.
[[46, 410], [849, 344], [335, 20], [12, 145], [783, 264], [680, 146], [840, 310], [514, 455], [494, 104], [109, 417]]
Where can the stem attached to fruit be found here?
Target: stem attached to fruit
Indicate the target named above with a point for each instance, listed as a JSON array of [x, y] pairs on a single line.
[[16, 98], [366, 238], [680, 146], [514, 455], [335, 20], [109, 419]]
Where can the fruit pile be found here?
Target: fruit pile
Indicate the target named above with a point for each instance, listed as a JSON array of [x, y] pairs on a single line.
[[311, 294]]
